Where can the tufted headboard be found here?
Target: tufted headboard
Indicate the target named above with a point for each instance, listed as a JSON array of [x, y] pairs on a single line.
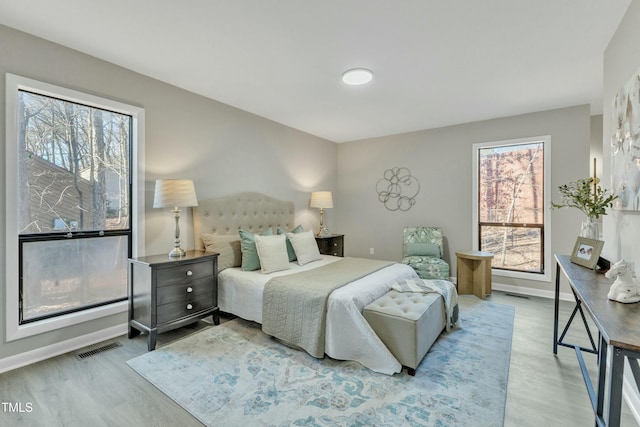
[[248, 211]]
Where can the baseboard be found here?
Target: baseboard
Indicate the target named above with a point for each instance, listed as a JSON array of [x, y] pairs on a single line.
[[42, 353], [519, 290], [631, 397]]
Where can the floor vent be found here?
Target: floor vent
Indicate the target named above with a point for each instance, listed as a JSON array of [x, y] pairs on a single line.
[[98, 350], [517, 295]]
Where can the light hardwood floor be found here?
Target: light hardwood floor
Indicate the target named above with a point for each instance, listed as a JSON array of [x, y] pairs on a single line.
[[544, 390]]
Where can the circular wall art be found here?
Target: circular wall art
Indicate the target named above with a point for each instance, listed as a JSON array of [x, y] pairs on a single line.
[[397, 189]]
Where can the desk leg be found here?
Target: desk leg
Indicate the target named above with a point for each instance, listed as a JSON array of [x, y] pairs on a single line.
[[602, 379], [556, 310], [616, 373]]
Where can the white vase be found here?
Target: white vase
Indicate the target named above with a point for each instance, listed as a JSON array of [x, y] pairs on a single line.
[[590, 229]]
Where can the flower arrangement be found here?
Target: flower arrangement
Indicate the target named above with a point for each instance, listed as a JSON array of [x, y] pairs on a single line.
[[583, 194]]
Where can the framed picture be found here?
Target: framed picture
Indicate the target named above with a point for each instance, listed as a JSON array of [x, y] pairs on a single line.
[[586, 252]]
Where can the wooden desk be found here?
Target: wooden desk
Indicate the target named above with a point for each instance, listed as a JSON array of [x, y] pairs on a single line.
[[617, 324], [473, 273]]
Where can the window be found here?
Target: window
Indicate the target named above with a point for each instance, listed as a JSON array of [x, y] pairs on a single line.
[[73, 220], [510, 205], [75, 206]]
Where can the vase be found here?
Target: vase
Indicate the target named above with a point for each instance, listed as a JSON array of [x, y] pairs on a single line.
[[590, 229]]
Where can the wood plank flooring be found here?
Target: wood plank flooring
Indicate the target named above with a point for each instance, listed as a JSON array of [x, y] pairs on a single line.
[[544, 390]]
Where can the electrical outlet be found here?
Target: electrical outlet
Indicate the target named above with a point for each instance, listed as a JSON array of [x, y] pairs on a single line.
[[371, 251]]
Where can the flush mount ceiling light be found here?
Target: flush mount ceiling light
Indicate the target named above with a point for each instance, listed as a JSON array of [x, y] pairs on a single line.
[[357, 76]]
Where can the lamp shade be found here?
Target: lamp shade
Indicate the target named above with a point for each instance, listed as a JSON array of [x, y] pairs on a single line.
[[174, 193], [321, 199]]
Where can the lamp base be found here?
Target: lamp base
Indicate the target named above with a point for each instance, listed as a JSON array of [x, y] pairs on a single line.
[[177, 253]]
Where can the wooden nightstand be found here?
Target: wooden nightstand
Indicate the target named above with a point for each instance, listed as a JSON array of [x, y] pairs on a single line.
[[331, 245], [168, 293]]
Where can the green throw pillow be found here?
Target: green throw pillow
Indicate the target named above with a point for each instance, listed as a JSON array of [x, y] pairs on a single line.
[[290, 251], [250, 259], [422, 249]]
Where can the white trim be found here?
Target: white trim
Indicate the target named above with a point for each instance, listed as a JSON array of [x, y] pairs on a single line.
[[14, 83], [520, 290], [630, 395], [546, 139], [42, 353]]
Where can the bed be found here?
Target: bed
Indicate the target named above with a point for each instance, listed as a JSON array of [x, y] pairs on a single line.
[[347, 334]]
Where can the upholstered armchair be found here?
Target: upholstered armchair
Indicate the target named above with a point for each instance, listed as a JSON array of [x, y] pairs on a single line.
[[422, 249]]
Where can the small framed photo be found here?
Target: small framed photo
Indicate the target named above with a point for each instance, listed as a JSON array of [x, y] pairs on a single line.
[[586, 252]]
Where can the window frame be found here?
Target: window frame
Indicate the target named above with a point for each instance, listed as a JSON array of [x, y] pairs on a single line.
[[546, 236], [14, 83]]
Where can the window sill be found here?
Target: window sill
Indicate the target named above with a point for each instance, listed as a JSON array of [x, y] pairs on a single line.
[[15, 331]]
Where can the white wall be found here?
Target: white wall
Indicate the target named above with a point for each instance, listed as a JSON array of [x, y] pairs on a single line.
[[621, 229], [223, 149]]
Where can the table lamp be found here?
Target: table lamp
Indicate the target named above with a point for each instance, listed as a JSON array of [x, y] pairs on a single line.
[[175, 193], [322, 200]]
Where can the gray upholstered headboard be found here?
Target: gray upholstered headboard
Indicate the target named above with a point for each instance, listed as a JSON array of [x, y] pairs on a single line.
[[248, 211]]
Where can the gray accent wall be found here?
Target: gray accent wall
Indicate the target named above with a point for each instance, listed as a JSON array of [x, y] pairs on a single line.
[[223, 149], [441, 159]]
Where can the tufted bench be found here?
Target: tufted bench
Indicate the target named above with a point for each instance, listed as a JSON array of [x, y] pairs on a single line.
[[408, 323]]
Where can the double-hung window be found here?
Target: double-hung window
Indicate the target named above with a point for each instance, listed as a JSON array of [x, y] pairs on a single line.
[[70, 203], [511, 188]]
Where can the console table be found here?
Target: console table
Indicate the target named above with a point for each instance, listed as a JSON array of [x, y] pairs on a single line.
[[617, 325]]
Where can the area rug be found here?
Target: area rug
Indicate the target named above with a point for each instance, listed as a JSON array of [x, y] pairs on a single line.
[[235, 375]]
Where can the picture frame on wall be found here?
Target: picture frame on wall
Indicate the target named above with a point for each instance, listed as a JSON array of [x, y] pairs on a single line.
[[586, 252]]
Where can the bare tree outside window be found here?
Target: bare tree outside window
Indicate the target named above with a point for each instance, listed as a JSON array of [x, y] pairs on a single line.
[[74, 228], [511, 205]]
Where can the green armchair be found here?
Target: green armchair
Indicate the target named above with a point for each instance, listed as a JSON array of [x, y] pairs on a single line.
[[422, 249]]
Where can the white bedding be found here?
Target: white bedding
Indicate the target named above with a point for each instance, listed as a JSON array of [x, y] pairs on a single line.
[[348, 335]]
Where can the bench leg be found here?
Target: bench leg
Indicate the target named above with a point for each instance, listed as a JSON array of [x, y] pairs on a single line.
[[411, 371]]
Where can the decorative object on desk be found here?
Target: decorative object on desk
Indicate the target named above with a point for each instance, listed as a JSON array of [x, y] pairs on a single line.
[[586, 252], [626, 287], [175, 193], [322, 200], [397, 189], [589, 197], [625, 141]]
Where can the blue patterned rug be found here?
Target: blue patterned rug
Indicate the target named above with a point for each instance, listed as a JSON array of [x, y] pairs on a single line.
[[235, 375]]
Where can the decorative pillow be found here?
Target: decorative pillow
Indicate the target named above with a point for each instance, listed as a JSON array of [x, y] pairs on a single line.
[[422, 249], [250, 259], [227, 246], [305, 246], [290, 251], [272, 251]]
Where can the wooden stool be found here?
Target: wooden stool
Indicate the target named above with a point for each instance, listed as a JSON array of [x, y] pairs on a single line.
[[474, 273]]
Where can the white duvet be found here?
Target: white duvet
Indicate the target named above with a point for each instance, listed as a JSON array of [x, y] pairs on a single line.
[[348, 335]]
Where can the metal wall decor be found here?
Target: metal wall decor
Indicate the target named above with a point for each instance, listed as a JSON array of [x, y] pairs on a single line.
[[397, 189]]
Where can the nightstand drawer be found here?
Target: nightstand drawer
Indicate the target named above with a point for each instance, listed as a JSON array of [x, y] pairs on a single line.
[[185, 291], [176, 310], [181, 273], [331, 245]]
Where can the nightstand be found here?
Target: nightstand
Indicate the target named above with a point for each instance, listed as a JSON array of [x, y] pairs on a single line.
[[331, 245], [168, 293]]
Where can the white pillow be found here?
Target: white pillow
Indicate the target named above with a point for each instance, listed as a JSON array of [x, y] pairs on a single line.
[[272, 251], [305, 246]]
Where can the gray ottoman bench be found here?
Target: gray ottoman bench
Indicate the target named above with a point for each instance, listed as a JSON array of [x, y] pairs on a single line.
[[408, 323]]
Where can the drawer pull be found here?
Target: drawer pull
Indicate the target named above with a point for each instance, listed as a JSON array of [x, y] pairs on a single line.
[[335, 244], [189, 273], [189, 289], [189, 306]]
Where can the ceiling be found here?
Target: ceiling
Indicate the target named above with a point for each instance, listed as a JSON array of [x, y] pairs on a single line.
[[435, 63]]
